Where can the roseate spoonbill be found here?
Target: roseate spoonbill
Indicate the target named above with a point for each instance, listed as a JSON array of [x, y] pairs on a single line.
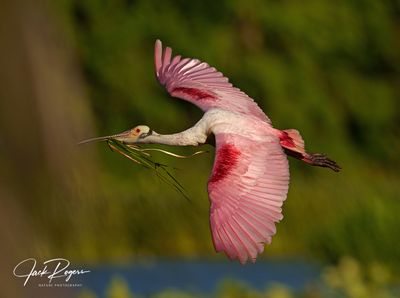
[[250, 176]]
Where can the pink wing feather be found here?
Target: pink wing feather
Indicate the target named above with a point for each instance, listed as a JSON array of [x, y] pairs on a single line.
[[200, 84], [250, 178], [248, 185]]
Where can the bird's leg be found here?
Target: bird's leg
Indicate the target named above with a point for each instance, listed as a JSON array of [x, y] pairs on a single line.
[[314, 159], [321, 160]]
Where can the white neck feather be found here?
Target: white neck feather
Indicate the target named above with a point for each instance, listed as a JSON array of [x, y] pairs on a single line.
[[193, 136], [177, 139]]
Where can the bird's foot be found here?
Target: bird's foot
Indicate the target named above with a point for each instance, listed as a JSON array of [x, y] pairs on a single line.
[[321, 160]]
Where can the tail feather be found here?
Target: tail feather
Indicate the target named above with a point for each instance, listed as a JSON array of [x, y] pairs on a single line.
[[296, 137], [291, 139]]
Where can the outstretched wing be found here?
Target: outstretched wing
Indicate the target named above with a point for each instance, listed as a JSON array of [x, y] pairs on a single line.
[[200, 84], [248, 185]]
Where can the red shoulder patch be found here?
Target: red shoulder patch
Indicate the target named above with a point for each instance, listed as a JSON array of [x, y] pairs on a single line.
[[226, 158], [193, 93]]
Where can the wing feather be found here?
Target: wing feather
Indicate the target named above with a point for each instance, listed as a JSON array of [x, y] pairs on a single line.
[[247, 235], [201, 79], [247, 187]]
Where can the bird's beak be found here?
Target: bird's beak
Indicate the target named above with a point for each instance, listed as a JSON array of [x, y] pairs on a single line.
[[123, 136], [127, 137]]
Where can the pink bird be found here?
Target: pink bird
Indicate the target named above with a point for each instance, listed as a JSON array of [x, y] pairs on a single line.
[[250, 176]]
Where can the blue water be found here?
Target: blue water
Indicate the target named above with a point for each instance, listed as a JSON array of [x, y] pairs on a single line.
[[200, 276]]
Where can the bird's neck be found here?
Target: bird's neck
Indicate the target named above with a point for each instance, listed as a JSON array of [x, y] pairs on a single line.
[[193, 136], [177, 139]]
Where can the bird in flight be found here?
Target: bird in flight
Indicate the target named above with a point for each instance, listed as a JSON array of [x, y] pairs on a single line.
[[250, 176]]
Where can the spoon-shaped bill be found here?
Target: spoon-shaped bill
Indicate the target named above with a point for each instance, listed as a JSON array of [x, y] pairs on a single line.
[[98, 139]]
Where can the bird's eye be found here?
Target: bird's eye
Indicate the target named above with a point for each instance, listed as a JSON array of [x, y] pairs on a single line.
[[137, 130]]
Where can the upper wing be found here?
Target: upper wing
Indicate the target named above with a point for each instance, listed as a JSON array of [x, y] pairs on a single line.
[[200, 84], [248, 185]]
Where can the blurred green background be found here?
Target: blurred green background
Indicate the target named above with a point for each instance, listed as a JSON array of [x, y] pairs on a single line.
[[75, 69]]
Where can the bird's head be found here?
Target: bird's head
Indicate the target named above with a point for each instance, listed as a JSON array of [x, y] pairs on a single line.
[[134, 135], [131, 136]]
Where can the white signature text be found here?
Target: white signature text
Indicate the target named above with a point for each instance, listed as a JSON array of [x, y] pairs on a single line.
[[52, 269]]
